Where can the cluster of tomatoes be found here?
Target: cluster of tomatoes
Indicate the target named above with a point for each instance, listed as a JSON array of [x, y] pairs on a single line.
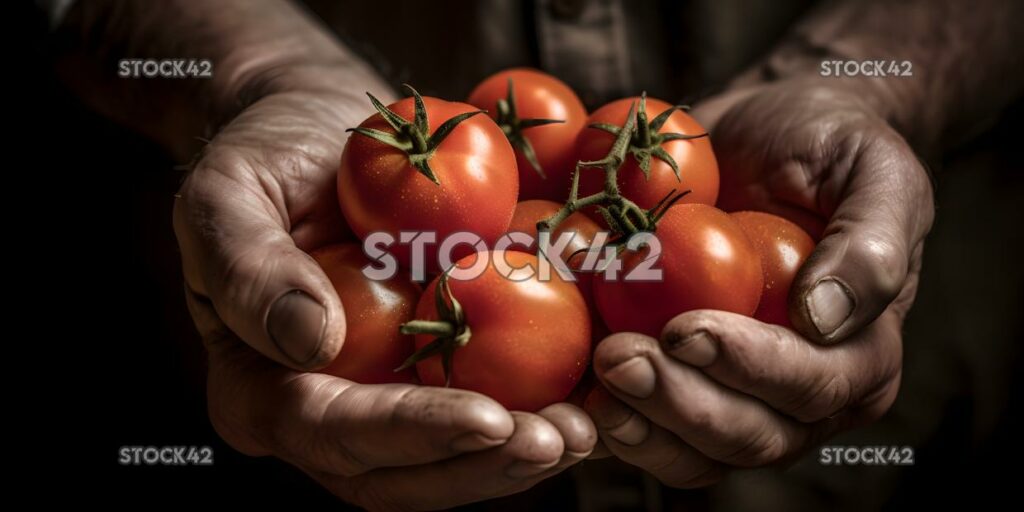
[[523, 154]]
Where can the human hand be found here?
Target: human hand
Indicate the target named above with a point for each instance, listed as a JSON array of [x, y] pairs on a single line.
[[261, 196], [720, 390]]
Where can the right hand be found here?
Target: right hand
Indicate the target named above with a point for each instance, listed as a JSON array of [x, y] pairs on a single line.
[[262, 195]]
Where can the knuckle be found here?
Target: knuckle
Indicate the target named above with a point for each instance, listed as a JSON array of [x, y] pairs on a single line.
[[747, 358], [328, 447], [883, 261], [233, 431], [703, 420], [824, 400], [232, 421], [411, 405], [192, 213], [297, 432], [247, 272], [877, 403]]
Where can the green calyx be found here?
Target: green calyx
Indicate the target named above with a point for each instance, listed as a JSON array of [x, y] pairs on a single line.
[[450, 330], [646, 140], [413, 137], [621, 214], [513, 127]]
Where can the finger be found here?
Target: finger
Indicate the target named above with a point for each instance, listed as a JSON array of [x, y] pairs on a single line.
[[530, 454], [710, 110], [579, 435], [334, 425], [881, 204], [721, 423], [806, 381], [236, 251], [633, 439]]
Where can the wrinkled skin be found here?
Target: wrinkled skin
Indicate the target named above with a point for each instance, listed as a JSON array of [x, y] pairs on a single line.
[[719, 390], [262, 195]]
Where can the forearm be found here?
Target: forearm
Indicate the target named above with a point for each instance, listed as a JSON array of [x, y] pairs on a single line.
[[964, 57], [256, 47]]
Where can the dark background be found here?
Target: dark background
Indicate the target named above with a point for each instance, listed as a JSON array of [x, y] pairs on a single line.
[[104, 242]]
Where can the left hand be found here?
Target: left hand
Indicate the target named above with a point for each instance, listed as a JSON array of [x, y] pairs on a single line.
[[721, 390]]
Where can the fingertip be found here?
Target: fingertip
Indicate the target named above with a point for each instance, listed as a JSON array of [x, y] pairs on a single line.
[[482, 415], [691, 337], [621, 347], [541, 439], [579, 435], [850, 279], [827, 306], [298, 326], [536, 446]]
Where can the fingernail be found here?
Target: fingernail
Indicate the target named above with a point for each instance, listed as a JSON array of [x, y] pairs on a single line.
[[699, 349], [524, 469], [634, 377], [632, 432], [296, 325], [829, 304], [474, 441]]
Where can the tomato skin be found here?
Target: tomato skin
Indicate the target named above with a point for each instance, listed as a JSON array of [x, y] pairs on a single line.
[[707, 262], [783, 248], [530, 340], [529, 213], [539, 96], [698, 168], [374, 310], [379, 190]]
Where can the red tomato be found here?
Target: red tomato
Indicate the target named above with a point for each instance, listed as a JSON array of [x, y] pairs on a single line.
[[379, 188], [530, 339], [698, 168], [374, 310], [707, 262], [537, 96], [529, 213], [525, 219], [783, 248]]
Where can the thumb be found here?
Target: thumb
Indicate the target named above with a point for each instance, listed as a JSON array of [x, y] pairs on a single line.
[[237, 253], [882, 209]]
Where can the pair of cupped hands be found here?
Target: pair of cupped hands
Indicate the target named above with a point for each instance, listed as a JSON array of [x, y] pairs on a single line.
[[717, 391]]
